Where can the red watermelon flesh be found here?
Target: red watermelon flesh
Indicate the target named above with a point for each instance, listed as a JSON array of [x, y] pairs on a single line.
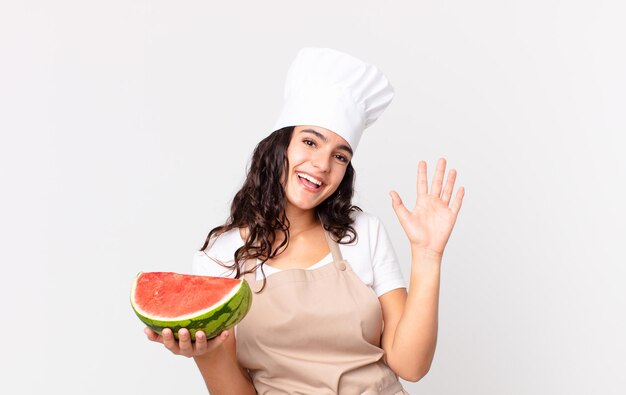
[[171, 300], [173, 295]]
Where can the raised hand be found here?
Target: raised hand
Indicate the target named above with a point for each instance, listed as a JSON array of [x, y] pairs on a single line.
[[429, 224]]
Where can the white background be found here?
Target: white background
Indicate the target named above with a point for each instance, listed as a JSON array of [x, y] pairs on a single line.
[[126, 129]]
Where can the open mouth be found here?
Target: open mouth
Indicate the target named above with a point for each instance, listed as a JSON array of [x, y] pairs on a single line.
[[309, 181]]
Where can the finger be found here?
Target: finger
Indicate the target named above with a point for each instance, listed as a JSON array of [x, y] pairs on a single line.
[[201, 343], [152, 335], [456, 205], [184, 342], [398, 207], [440, 172], [217, 341], [422, 179], [169, 341], [447, 190]]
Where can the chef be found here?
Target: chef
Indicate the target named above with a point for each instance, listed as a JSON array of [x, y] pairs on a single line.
[[330, 313]]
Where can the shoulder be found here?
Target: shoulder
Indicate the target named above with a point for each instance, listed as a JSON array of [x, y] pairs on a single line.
[[220, 250], [370, 233], [361, 217], [366, 226], [224, 245]]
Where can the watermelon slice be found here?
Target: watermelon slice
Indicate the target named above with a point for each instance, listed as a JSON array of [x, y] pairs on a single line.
[[171, 300]]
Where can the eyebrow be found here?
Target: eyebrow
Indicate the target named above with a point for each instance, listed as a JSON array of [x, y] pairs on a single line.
[[324, 139]]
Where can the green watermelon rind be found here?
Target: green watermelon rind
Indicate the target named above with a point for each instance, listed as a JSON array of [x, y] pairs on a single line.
[[213, 322]]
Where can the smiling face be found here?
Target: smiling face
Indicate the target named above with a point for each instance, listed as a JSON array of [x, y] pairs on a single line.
[[318, 159]]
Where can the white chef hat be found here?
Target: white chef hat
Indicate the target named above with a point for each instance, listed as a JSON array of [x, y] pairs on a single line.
[[334, 90]]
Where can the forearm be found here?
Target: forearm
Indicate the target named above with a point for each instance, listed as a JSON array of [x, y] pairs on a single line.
[[415, 338], [222, 373]]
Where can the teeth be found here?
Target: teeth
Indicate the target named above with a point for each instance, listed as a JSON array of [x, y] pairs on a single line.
[[308, 177]]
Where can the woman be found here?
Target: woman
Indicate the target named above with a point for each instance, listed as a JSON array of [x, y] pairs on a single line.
[[331, 313]]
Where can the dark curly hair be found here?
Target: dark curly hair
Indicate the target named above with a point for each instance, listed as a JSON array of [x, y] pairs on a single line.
[[260, 206]]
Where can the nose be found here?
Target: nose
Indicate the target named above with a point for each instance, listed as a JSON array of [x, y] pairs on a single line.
[[321, 161]]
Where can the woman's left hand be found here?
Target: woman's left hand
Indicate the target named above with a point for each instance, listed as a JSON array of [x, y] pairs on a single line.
[[429, 225]]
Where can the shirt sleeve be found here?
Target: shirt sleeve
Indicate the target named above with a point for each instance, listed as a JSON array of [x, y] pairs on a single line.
[[385, 264]]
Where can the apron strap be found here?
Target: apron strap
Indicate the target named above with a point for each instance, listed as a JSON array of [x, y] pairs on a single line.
[[333, 246]]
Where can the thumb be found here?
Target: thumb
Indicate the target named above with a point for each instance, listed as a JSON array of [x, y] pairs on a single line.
[[398, 207]]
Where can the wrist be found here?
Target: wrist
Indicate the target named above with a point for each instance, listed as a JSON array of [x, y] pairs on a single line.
[[420, 254]]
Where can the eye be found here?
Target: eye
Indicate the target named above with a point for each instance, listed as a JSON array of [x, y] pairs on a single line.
[[308, 142], [342, 158]]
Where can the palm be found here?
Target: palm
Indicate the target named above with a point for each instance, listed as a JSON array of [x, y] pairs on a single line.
[[429, 224]]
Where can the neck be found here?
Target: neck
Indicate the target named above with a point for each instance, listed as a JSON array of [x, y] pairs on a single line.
[[301, 220]]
